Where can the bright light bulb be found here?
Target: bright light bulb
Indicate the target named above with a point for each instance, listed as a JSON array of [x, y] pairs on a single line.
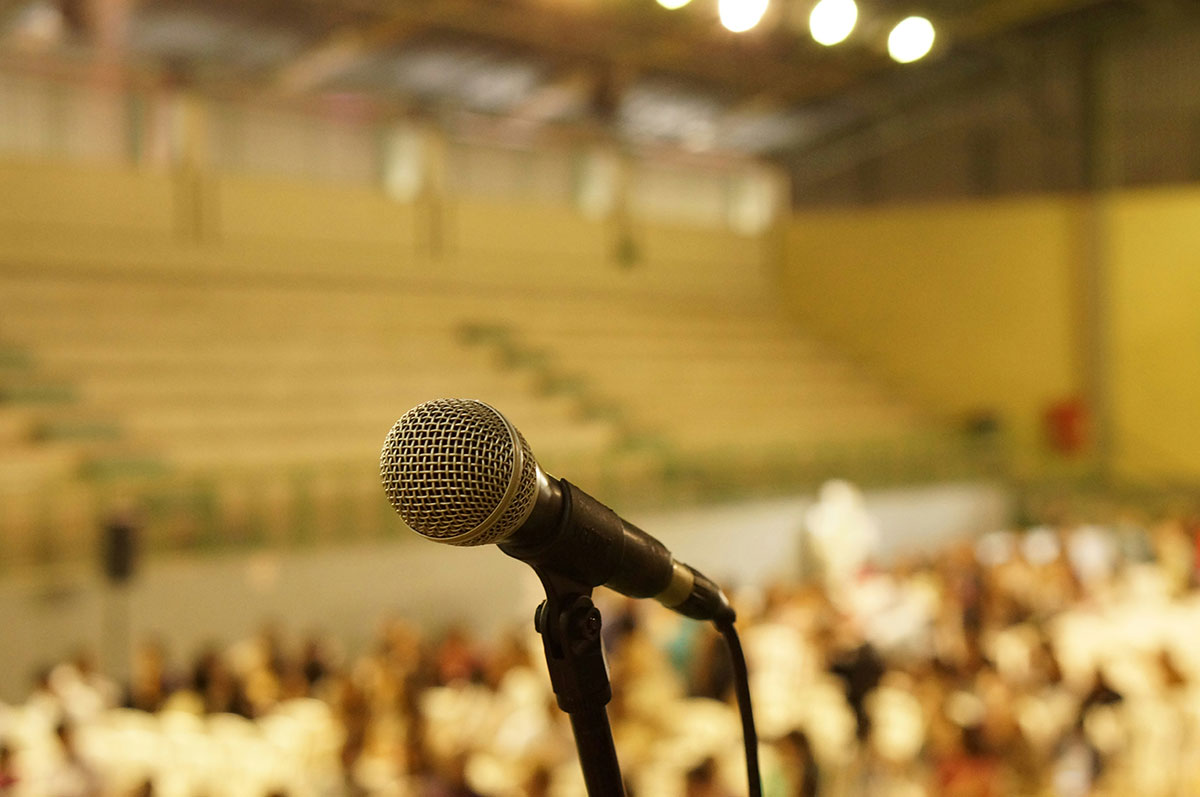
[[910, 40], [832, 20], [741, 15], [673, 4]]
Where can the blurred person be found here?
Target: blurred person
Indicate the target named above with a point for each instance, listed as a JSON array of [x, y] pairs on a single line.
[[897, 734], [1151, 729], [379, 679], [1134, 541], [84, 691], [1002, 734], [1093, 556], [314, 661], [205, 667], [967, 586], [1058, 588], [44, 705], [258, 664], [701, 781], [1044, 710], [509, 653], [678, 638], [293, 683], [219, 690], [406, 645], [353, 747], [149, 683], [70, 774], [262, 689], [1191, 530], [886, 761], [272, 652], [539, 781], [8, 771], [620, 622], [417, 770], [711, 672], [1101, 693], [799, 766], [354, 714], [456, 658], [451, 779], [842, 534], [860, 668], [526, 724], [970, 769], [1077, 763], [1173, 550], [933, 683]]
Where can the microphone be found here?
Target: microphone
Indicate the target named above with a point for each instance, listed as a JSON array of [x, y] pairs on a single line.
[[458, 472]]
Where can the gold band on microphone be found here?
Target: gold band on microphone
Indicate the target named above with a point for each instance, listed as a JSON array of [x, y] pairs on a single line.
[[680, 587]]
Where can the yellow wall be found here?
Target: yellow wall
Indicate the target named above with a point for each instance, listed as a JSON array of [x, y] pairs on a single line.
[[966, 306], [1154, 267], [975, 304]]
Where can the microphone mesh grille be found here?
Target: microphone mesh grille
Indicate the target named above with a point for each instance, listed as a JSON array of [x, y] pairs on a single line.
[[448, 465]]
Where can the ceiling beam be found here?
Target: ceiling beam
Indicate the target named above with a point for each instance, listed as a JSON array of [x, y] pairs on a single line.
[[342, 50], [641, 40]]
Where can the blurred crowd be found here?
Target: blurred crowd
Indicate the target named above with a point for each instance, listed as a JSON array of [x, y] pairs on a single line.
[[1057, 660]]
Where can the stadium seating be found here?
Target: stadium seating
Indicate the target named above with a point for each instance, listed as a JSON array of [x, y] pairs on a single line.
[[235, 364]]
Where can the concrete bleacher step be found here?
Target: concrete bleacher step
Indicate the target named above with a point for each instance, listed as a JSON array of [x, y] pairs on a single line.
[[696, 358], [742, 378], [15, 358], [31, 464], [76, 429], [204, 372], [208, 393], [339, 440], [214, 331], [172, 357], [29, 390], [358, 432], [116, 466], [686, 342], [799, 435], [17, 425]]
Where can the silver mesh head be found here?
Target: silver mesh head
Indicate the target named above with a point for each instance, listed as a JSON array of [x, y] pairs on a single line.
[[458, 472]]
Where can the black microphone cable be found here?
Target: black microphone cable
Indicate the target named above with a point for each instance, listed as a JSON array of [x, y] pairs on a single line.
[[741, 685]]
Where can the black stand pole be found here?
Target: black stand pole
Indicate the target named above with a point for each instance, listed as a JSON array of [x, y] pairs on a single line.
[[570, 627]]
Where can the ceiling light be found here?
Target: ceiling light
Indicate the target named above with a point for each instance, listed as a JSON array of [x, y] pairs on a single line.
[[910, 40], [832, 20], [741, 15], [673, 4]]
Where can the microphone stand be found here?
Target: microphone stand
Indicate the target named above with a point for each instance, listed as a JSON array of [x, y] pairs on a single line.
[[570, 627]]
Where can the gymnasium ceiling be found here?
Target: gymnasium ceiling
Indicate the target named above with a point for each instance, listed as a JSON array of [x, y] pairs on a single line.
[[672, 78]]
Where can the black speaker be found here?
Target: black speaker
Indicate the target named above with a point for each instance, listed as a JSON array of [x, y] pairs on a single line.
[[119, 551]]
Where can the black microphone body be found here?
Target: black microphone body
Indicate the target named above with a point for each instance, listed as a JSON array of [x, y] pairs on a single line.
[[458, 472], [574, 535]]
